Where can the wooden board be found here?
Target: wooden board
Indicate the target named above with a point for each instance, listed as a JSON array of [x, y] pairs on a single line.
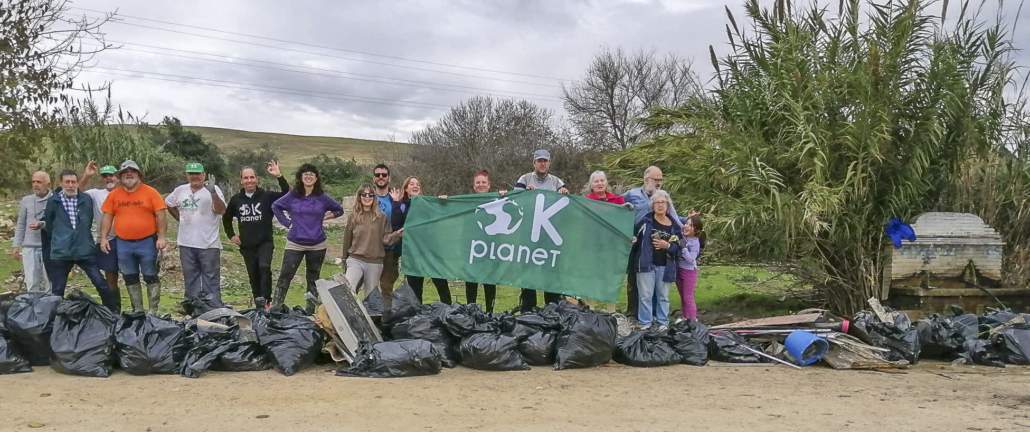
[[788, 320], [348, 315]]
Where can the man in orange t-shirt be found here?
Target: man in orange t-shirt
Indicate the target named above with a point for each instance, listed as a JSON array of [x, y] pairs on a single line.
[[137, 213]]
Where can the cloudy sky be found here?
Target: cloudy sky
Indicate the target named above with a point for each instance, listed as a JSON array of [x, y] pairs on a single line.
[[377, 69]]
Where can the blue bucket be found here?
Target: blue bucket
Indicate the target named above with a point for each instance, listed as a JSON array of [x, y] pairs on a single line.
[[806, 347]]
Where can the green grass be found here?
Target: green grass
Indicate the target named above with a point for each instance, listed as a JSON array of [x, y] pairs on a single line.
[[293, 150]]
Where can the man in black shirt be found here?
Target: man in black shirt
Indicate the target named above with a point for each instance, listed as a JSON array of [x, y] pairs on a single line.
[[252, 208]]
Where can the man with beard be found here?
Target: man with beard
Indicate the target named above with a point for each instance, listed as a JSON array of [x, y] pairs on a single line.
[[136, 212], [252, 208], [639, 200], [67, 225], [541, 179], [381, 180], [106, 261], [28, 240]]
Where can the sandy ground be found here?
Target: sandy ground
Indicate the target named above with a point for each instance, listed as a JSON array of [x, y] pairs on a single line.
[[930, 397]]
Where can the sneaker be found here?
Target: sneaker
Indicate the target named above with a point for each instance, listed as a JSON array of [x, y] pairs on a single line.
[[645, 327], [663, 328]]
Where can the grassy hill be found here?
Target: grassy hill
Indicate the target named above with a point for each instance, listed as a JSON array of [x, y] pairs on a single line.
[[293, 150]]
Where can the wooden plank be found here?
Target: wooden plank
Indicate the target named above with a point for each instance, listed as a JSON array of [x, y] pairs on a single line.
[[788, 320]]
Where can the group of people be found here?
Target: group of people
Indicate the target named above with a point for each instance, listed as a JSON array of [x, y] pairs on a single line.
[[120, 228]]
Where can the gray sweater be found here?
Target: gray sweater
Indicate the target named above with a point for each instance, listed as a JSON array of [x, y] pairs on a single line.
[[29, 210]]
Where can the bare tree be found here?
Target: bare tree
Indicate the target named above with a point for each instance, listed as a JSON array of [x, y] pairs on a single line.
[[485, 133], [608, 106], [42, 49]]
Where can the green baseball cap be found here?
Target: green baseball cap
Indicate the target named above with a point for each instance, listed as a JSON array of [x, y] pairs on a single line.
[[194, 167], [108, 169]]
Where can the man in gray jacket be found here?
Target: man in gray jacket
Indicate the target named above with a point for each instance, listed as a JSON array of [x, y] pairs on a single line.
[[28, 243]]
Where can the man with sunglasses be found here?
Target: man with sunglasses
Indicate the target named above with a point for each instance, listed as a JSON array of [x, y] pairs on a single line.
[[381, 181], [106, 261], [639, 199]]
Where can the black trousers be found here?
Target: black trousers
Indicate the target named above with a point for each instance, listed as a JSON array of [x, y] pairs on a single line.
[[632, 297], [291, 261], [472, 289], [444, 290], [527, 299], [258, 260]]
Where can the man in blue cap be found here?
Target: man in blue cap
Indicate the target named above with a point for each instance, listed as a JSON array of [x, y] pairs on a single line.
[[542, 179]]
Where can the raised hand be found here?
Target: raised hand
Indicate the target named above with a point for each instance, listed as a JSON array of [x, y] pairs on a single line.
[[91, 168], [396, 194], [273, 168]]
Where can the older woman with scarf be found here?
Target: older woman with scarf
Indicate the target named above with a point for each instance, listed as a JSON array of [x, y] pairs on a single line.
[[599, 189], [657, 239]]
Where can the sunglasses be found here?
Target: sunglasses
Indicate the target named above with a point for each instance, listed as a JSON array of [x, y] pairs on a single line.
[[366, 195], [381, 175]]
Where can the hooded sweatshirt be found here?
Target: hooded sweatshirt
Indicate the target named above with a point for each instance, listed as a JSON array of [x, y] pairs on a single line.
[[253, 213]]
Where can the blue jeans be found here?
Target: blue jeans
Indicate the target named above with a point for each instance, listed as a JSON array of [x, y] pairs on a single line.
[[201, 271], [137, 256], [59, 280], [654, 297]]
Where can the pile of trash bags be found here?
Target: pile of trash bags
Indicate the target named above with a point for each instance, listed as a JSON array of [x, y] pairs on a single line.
[[995, 338], [561, 335], [78, 336]]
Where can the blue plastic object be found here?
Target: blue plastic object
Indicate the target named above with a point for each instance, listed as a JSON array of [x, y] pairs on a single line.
[[806, 348], [898, 230]]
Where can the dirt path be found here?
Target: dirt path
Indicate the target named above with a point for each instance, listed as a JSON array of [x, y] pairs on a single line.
[[931, 397]]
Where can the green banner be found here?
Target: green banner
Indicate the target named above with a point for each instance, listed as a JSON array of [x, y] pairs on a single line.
[[527, 239]]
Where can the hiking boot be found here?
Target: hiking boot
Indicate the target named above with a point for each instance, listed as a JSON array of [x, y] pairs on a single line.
[[135, 296], [154, 295], [663, 328], [645, 327]]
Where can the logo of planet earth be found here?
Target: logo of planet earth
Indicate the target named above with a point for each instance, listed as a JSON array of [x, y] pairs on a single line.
[[506, 217]]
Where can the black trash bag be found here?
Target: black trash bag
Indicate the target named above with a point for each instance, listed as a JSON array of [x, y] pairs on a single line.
[[465, 319], [83, 337], [491, 352], [943, 337], [537, 349], [11, 361], [293, 341], [1014, 345], [394, 359], [244, 357], [427, 325], [900, 336], [997, 317], [587, 339], [29, 321], [198, 305], [726, 346], [690, 340], [982, 352], [405, 304], [645, 349], [146, 344]]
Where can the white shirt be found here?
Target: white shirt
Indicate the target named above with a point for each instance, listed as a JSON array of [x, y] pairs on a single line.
[[99, 196], [198, 223]]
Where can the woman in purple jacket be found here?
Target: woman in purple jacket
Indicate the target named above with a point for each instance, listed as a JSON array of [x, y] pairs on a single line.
[[302, 211]]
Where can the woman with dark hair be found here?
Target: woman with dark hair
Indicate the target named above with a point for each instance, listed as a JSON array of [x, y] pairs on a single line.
[[365, 238], [412, 187], [302, 212]]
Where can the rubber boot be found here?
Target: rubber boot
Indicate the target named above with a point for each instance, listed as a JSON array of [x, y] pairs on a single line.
[[135, 297], [154, 295], [279, 297]]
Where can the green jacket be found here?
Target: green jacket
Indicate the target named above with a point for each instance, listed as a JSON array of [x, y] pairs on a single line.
[[67, 244]]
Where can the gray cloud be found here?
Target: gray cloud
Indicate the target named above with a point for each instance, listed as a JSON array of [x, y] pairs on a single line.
[[554, 39]]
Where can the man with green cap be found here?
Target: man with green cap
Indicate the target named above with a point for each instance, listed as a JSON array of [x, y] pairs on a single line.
[[198, 207], [106, 261]]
